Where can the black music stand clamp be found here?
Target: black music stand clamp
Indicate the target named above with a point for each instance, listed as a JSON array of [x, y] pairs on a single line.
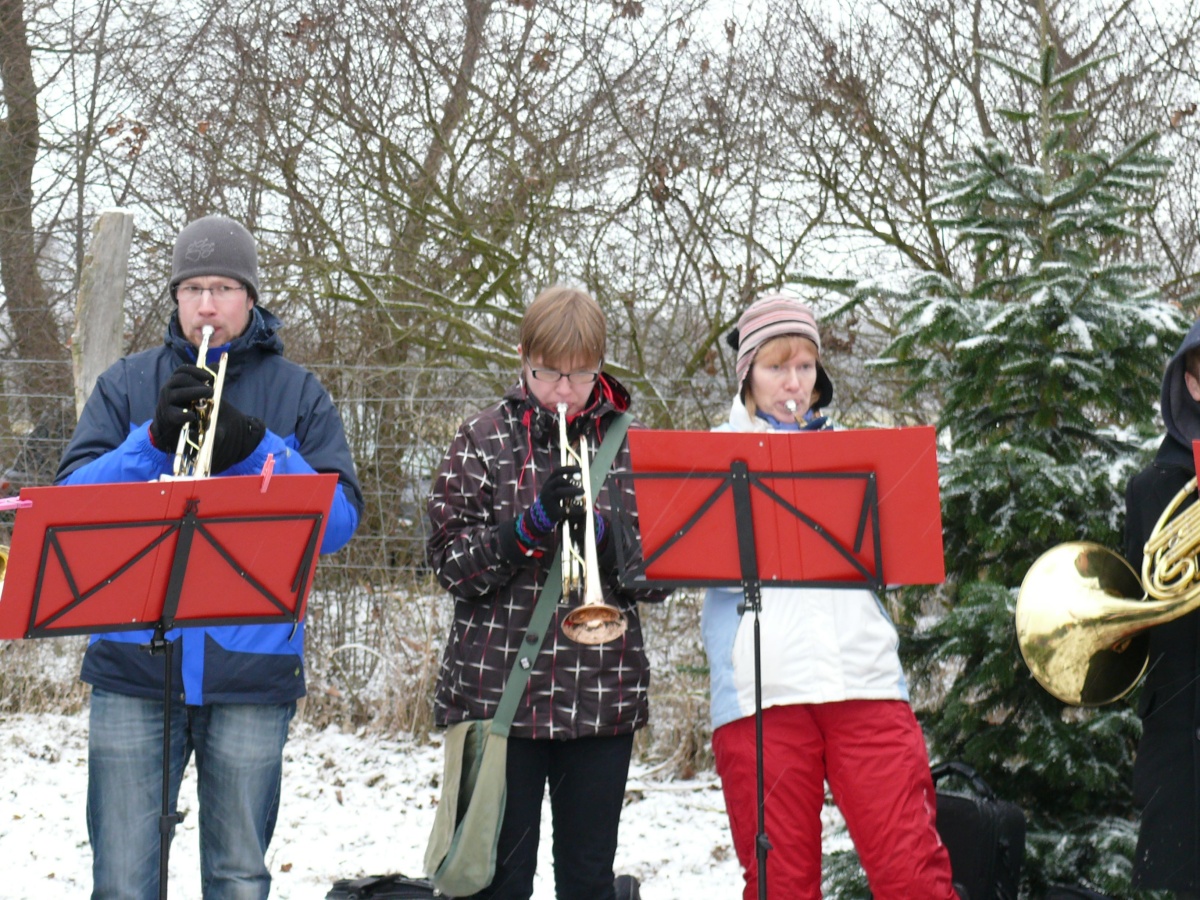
[[806, 513], [173, 541]]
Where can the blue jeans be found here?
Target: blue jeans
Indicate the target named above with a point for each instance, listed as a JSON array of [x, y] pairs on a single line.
[[239, 761]]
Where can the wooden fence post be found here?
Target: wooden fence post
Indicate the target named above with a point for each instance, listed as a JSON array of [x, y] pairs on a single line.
[[98, 340]]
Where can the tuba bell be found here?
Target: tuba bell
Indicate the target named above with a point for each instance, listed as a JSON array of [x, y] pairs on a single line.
[[593, 621], [1082, 612]]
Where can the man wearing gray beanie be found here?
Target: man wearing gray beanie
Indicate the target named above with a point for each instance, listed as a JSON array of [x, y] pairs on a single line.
[[239, 683]]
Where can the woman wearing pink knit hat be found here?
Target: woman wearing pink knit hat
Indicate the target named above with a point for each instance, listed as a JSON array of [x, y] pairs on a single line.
[[835, 700]]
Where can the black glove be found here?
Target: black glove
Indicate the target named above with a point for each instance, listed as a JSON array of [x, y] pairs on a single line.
[[555, 501], [237, 436], [577, 524], [176, 405], [606, 545]]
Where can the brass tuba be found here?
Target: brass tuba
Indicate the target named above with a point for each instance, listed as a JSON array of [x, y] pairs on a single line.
[[193, 454], [1082, 611], [593, 621]]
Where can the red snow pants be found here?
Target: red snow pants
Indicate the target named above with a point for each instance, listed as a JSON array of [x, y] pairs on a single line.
[[873, 755]]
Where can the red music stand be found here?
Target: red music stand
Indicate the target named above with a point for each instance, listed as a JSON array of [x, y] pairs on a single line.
[[842, 509], [172, 554]]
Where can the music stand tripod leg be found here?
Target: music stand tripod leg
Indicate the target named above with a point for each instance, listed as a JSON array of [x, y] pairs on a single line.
[[762, 844], [159, 644], [167, 819], [739, 473]]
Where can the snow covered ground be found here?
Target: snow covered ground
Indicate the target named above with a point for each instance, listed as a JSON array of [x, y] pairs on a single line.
[[354, 804]]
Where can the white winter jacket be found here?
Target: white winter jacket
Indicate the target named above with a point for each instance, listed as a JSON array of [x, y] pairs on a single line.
[[818, 645]]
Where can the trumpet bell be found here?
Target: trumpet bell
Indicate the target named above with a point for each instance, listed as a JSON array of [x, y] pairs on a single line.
[[594, 623], [1081, 618]]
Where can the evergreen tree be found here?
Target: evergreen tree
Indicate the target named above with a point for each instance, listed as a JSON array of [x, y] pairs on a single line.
[[1047, 351]]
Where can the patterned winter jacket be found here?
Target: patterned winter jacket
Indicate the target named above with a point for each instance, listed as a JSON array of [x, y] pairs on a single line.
[[224, 663], [492, 472]]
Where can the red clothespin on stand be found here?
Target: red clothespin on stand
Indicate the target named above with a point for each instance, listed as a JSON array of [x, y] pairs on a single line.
[[267, 469]]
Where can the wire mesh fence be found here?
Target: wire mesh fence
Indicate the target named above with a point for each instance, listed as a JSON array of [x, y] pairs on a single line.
[[376, 617]]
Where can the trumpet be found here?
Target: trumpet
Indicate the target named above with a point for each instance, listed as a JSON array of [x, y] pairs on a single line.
[[593, 621], [193, 453], [1082, 612]]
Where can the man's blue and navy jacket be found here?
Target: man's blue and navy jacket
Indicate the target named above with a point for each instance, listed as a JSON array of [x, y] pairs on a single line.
[[229, 663]]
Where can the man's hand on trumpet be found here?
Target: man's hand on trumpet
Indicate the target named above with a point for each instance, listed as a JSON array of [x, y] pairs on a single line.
[[237, 436], [176, 407]]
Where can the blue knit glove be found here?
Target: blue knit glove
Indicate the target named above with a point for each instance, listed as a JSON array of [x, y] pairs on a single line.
[[553, 505]]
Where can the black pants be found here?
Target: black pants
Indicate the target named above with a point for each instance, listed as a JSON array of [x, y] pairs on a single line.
[[587, 789]]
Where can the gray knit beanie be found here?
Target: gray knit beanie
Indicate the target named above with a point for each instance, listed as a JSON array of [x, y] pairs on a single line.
[[215, 245]]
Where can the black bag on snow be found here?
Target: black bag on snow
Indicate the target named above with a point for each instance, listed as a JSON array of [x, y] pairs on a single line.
[[984, 835], [382, 887], [397, 887], [627, 887]]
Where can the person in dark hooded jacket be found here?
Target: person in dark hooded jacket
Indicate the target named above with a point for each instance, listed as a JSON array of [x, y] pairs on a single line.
[[239, 683], [497, 506], [1166, 771]]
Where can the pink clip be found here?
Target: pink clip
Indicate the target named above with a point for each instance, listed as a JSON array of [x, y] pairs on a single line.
[[267, 469], [15, 503]]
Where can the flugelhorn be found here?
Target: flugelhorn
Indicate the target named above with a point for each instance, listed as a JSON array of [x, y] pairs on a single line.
[[593, 621], [1082, 612], [193, 454]]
